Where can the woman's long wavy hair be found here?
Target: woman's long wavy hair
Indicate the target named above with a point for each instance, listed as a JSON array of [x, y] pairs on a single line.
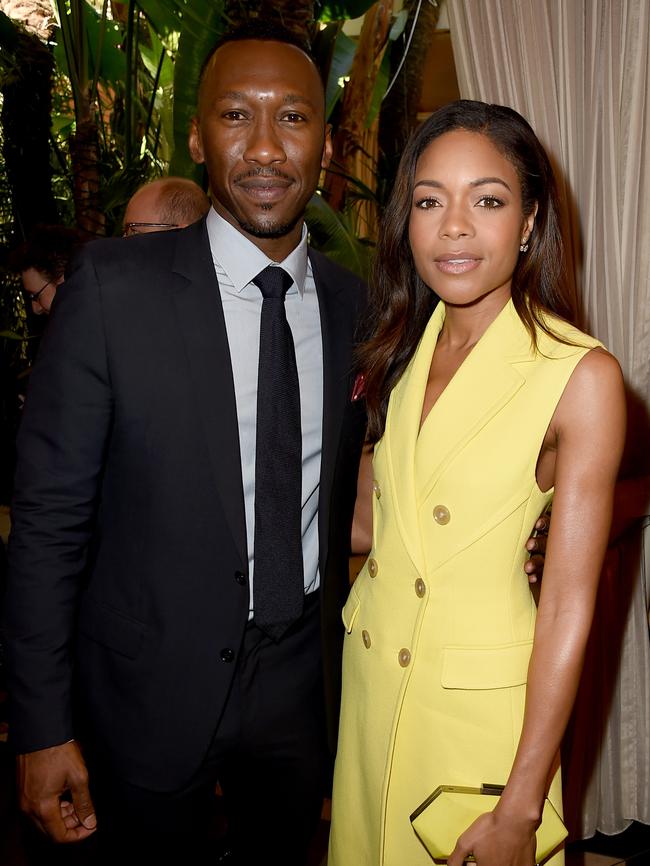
[[401, 303]]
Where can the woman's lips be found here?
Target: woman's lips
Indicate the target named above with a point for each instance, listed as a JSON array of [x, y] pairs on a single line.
[[459, 263]]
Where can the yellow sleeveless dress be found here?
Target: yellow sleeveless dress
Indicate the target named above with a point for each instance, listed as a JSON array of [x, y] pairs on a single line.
[[440, 621]]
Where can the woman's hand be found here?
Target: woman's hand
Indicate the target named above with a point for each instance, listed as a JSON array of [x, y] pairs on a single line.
[[496, 839]]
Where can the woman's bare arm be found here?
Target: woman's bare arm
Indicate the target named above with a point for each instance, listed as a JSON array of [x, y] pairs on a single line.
[[362, 522]]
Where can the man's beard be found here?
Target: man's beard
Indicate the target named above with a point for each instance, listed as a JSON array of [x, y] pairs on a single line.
[[272, 229]]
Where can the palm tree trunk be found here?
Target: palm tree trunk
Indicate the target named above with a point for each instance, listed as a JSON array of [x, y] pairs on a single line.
[[399, 110], [352, 140], [84, 156], [26, 108]]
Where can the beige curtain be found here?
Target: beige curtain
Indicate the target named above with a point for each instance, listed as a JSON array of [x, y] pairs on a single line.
[[579, 70]]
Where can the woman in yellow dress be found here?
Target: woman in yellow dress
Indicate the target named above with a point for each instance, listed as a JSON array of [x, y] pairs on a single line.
[[483, 403]]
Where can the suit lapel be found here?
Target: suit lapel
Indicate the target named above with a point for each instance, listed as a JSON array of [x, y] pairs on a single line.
[[202, 326], [337, 337]]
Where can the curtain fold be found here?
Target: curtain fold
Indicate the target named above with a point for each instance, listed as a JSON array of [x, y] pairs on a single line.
[[579, 71]]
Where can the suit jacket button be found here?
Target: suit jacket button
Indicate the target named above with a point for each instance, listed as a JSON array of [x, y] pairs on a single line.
[[377, 489], [366, 639], [420, 588], [441, 515], [373, 568], [240, 577], [227, 655], [404, 657]]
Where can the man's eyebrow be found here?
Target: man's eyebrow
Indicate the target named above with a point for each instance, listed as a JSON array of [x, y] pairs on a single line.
[[231, 94], [293, 98], [288, 99]]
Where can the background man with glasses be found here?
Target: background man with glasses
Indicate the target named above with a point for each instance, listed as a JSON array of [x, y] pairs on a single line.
[[163, 204]]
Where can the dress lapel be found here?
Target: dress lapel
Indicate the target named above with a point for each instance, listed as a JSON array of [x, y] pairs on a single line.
[[202, 326], [400, 437], [482, 386]]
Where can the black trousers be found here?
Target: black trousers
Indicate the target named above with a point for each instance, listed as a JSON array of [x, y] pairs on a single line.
[[268, 755]]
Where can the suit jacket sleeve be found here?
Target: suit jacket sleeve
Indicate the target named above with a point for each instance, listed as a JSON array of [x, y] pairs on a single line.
[[61, 443]]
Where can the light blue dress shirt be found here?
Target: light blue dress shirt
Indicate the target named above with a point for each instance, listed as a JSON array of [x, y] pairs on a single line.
[[236, 262]]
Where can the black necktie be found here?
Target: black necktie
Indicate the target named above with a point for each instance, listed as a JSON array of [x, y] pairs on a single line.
[[278, 584]]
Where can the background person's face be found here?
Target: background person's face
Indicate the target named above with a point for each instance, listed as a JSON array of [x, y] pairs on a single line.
[[39, 289], [261, 132]]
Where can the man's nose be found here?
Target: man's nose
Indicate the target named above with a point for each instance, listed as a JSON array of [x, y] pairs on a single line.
[[264, 145]]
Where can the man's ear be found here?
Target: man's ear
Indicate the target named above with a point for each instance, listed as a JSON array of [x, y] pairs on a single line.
[[194, 142], [328, 147]]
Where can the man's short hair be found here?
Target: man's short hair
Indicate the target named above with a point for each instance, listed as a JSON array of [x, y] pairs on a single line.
[[181, 201], [263, 30], [48, 249]]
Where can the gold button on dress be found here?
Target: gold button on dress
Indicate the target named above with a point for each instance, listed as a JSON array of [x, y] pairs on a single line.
[[441, 515]]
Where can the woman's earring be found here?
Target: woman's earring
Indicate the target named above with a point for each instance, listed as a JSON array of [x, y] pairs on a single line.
[[523, 248]]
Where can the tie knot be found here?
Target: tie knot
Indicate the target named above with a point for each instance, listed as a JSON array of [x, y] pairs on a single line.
[[273, 282]]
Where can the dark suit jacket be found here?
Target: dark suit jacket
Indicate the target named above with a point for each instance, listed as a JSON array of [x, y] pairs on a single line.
[[128, 549]]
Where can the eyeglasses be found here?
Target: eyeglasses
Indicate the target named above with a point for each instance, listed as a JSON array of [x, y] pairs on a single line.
[[34, 296], [131, 229]]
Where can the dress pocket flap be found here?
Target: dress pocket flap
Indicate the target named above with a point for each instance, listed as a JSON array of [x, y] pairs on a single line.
[[111, 628], [485, 667], [350, 610]]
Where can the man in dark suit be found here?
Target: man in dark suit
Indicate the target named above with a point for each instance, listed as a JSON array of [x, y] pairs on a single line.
[[132, 611]]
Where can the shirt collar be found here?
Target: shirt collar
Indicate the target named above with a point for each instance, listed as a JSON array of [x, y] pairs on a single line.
[[242, 260]]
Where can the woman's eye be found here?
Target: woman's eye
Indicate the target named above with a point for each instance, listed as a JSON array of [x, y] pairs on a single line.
[[490, 202], [427, 203]]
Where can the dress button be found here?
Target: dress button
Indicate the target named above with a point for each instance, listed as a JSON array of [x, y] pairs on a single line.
[[404, 657], [376, 489], [373, 568], [441, 514], [366, 639], [420, 588], [227, 655], [240, 577]]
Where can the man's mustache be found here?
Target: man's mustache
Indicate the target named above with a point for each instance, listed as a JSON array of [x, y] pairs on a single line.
[[262, 172]]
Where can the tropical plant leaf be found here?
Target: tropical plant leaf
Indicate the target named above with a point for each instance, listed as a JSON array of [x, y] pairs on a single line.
[[360, 190], [112, 61], [342, 56], [331, 232], [381, 83], [192, 51], [151, 58], [337, 10], [163, 15], [398, 25]]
